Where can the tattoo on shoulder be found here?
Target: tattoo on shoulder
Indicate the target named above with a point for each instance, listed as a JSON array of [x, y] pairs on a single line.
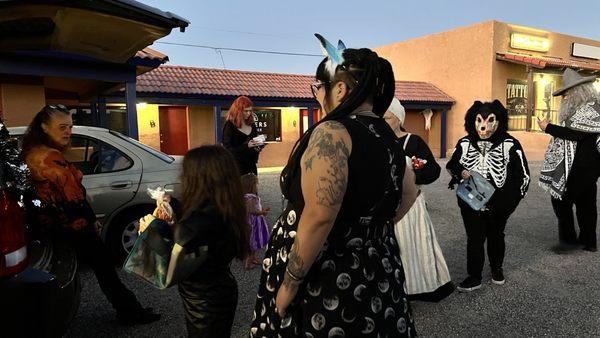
[[324, 146]]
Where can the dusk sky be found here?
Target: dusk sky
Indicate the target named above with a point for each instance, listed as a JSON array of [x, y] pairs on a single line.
[[288, 26]]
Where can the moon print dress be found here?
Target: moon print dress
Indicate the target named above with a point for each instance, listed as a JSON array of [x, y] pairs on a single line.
[[355, 286]]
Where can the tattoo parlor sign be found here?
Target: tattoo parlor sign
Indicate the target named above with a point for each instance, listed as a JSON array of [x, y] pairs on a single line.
[[268, 122], [516, 97]]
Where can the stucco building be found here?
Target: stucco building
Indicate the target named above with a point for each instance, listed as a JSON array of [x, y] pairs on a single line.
[[520, 66]]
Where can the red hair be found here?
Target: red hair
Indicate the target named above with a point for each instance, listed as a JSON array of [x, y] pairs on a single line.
[[235, 114]]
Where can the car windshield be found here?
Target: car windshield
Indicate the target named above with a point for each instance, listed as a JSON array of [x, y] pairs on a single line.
[[151, 150]]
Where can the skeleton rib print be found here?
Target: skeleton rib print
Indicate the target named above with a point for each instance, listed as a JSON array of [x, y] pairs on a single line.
[[490, 162]]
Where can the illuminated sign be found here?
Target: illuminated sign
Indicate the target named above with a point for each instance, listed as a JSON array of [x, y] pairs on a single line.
[[586, 51], [529, 42]]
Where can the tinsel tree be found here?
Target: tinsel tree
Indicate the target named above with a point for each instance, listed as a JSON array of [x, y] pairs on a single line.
[[14, 174]]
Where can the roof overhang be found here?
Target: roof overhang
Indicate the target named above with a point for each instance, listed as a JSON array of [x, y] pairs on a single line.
[[548, 62], [111, 31]]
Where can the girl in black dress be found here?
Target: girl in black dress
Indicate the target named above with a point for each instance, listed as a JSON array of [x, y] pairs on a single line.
[[332, 267], [238, 134], [212, 222]]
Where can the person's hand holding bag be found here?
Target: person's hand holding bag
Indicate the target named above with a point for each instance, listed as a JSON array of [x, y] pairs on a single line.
[[144, 222]]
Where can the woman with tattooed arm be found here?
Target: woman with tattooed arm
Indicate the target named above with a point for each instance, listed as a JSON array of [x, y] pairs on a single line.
[[332, 266]]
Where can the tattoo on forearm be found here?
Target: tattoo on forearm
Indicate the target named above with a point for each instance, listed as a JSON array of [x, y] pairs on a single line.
[[331, 186], [295, 265]]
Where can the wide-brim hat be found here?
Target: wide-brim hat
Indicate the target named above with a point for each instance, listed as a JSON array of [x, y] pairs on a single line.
[[571, 79]]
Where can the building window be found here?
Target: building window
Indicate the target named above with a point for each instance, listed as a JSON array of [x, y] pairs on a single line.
[[544, 104], [516, 104], [116, 118], [268, 122]]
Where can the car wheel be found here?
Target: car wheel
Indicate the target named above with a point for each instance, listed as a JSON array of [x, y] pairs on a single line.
[[123, 231]]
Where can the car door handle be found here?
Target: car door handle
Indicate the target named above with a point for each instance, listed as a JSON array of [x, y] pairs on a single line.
[[120, 185]]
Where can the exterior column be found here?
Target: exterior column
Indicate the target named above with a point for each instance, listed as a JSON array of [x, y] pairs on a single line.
[[130, 97], [217, 117], [311, 116], [443, 133], [101, 111], [530, 98], [94, 112]]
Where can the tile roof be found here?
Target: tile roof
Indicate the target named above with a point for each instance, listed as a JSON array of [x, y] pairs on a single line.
[[418, 91], [151, 54], [218, 82], [543, 62]]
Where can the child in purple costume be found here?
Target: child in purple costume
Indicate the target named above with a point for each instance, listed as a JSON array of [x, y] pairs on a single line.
[[259, 232]]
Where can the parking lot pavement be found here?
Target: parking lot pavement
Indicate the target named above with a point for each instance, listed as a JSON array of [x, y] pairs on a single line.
[[545, 294]]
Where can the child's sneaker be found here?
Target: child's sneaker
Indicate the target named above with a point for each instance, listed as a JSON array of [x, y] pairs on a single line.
[[498, 277], [469, 284]]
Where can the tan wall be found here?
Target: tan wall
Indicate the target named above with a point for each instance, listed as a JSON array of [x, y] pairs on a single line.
[[20, 103], [276, 153], [201, 126], [147, 134], [459, 62], [414, 123], [534, 144]]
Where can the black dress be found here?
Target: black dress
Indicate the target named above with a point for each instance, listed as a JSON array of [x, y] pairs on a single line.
[[237, 143], [355, 286], [415, 146], [210, 294]]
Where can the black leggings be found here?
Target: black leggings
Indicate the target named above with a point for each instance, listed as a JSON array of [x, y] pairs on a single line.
[[481, 226]]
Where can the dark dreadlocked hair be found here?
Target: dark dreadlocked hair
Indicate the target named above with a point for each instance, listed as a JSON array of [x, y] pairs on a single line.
[[369, 78]]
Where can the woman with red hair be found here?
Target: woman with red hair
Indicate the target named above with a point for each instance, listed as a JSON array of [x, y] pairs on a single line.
[[238, 134]]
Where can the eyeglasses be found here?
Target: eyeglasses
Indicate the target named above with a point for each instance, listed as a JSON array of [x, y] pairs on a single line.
[[316, 86]]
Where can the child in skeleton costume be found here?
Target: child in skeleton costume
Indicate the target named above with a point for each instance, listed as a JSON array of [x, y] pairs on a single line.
[[572, 162], [490, 151]]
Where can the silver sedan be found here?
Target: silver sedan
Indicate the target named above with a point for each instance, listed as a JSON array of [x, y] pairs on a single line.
[[118, 171]]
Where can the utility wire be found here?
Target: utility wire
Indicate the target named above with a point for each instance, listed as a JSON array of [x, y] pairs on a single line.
[[222, 60], [250, 33], [239, 49]]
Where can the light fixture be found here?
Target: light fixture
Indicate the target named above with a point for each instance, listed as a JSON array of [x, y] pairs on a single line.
[[529, 42], [141, 105]]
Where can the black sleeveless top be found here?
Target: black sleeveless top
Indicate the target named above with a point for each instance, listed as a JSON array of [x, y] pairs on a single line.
[[368, 170]]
